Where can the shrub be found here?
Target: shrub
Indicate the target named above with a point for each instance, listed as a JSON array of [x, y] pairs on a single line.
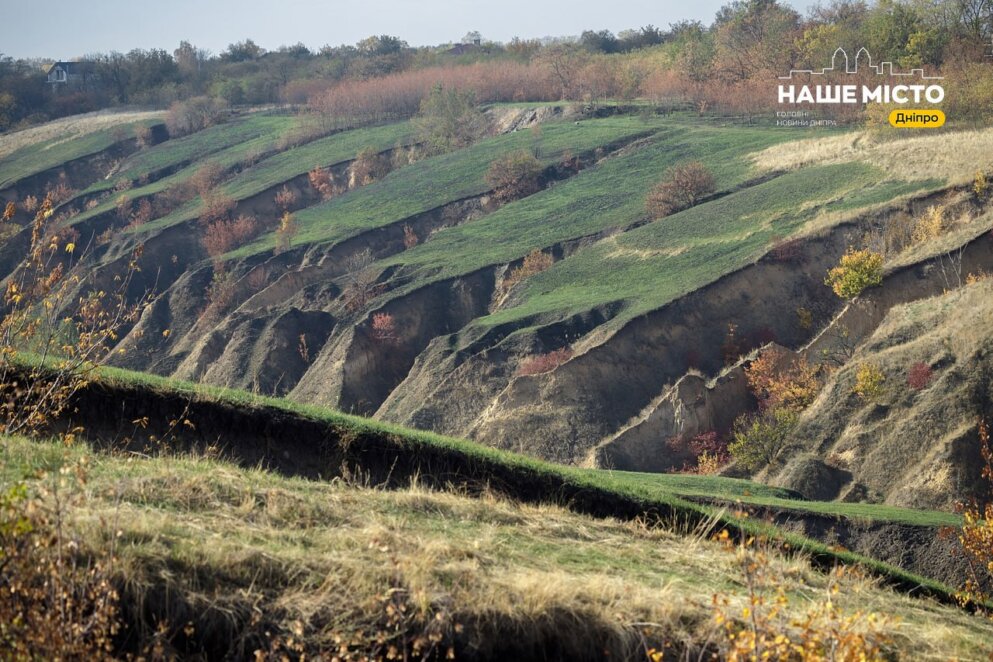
[[222, 237], [733, 347], [789, 250], [60, 192], [143, 136], [8, 211], [793, 386], [857, 271], [369, 166], [288, 228], [53, 603], [759, 439], [976, 534], [682, 186], [542, 363], [143, 214], [123, 207], [322, 181], [383, 328], [804, 318], [919, 376], [285, 198], [30, 204], [981, 185], [930, 225], [206, 178], [192, 115], [534, 263], [450, 119], [515, 175], [409, 237], [869, 379], [216, 207]]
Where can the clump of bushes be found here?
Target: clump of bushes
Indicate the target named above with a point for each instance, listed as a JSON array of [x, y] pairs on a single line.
[[682, 186], [515, 175], [192, 115], [534, 263]]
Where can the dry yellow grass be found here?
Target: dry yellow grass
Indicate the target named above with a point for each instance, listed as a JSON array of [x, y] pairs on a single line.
[[324, 560], [68, 128], [954, 156]]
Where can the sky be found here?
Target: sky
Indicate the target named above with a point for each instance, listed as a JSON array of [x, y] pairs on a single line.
[[60, 29]]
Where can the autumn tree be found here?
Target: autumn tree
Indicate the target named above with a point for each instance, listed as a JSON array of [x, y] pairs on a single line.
[[780, 382], [288, 228], [682, 186], [368, 166]]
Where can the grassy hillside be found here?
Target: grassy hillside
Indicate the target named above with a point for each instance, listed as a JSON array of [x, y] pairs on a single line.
[[224, 542], [57, 150]]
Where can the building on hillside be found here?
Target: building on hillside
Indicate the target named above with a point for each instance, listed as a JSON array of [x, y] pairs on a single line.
[[72, 74]]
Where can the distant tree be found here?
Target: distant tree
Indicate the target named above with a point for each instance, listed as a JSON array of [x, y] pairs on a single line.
[[682, 186], [472, 37], [242, 51], [755, 35], [450, 119], [515, 175], [603, 41], [381, 45]]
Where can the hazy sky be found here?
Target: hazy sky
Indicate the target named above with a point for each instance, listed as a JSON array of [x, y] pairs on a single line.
[[61, 29]]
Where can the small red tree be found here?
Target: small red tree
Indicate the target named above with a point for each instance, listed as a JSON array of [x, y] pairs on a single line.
[[384, 328], [919, 376]]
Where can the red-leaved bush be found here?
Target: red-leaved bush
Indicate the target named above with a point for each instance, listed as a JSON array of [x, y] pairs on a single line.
[[221, 237], [919, 376], [384, 328], [544, 362]]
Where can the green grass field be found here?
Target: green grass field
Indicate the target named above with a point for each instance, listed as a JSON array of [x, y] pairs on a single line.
[[37, 158], [436, 181], [244, 134]]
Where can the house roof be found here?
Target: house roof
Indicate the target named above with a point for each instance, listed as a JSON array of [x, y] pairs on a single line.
[[74, 67]]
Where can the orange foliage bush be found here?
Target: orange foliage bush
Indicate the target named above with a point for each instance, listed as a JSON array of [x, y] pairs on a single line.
[[222, 237], [383, 328], [792, 386], [216, 207], [286, 198]]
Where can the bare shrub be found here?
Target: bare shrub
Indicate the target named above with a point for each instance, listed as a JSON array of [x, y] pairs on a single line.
[[534, 263], [216, 207], [222, 237], [409, 237], [682, 186], [369, 166], [192, 115], [206, 178], [286, 198], [515, 175], [322, 181]]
